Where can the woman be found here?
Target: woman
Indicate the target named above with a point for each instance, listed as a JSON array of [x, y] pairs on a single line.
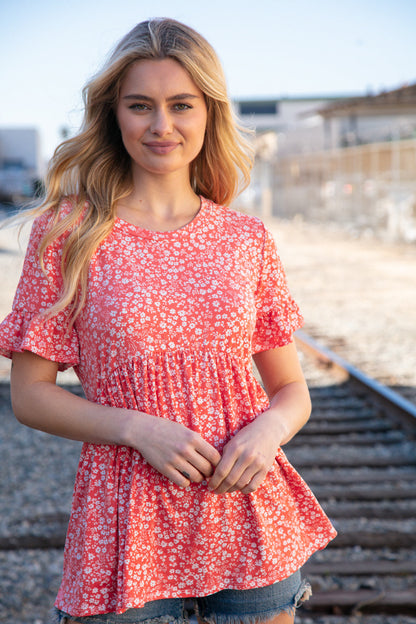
[[158, 295]]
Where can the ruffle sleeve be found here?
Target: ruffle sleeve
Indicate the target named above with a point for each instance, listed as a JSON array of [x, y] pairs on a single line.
[[277, 314], [27, 327]]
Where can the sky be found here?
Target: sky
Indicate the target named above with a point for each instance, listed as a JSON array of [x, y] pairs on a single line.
[[269, 48]]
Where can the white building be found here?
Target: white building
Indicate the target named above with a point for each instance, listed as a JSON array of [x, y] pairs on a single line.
[[283, 126], [289, 119]]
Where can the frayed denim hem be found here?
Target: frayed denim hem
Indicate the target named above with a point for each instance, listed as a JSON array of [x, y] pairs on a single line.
[[59, 617], [304, 593], [54, 616], [224, 607]]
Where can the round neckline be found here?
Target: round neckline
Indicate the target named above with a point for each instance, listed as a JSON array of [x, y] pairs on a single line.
[[141, 231]]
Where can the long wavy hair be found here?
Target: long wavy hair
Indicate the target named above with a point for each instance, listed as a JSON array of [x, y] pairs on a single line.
[[93, 169]]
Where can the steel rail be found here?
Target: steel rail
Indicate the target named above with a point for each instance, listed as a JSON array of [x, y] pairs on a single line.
[[399, 407]]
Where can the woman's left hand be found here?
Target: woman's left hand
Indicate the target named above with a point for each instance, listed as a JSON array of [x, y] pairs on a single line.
[[250, 454], [247, 457]]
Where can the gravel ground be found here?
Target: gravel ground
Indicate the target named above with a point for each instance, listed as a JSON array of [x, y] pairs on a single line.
[[358, 297]]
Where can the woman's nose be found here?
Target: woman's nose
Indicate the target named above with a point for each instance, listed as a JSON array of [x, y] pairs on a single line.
[[161, 123]]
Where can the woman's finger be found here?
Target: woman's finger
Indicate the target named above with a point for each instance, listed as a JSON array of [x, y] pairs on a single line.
[[229, 472], [254, 483], [207, 451], [190, 473], [238, 469], [201, 463]]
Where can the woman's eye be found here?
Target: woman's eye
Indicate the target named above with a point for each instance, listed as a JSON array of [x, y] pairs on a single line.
[[182, 106], [138, 107]]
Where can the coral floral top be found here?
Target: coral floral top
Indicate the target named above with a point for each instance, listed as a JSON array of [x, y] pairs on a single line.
[[169, 327]]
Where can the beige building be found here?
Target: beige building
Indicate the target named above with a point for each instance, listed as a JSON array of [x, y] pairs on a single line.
[[387, 116]]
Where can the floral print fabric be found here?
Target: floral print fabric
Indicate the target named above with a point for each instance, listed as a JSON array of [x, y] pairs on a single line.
[[170, 324]]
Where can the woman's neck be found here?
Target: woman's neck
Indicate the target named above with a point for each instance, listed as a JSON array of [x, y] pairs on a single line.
[[160, 204]]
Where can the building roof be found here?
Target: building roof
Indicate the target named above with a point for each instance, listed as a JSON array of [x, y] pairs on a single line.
[[289, 98], [401, 100]]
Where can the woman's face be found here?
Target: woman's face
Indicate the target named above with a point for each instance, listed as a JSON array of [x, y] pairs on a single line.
[[162, 117]]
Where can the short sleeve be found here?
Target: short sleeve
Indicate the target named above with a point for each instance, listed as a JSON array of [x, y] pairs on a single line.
[[277, 314], [27, 328]]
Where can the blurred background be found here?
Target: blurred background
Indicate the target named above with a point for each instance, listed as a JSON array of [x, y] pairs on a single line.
[[329, 87]]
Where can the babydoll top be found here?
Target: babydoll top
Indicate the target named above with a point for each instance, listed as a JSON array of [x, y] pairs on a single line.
[[169, 327]]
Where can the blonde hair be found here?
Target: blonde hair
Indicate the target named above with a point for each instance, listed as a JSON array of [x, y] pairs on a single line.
[[93, 169]]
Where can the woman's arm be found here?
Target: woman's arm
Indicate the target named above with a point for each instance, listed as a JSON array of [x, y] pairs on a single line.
[[285, 384], [249, 455], [169, 447]]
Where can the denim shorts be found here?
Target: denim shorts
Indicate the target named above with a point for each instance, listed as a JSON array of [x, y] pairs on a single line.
[[229, 606]]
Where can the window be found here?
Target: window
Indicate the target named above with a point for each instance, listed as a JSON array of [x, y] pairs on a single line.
[[259, 108]]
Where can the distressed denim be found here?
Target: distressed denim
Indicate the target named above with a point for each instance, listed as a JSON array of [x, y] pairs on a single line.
[[229, 606]]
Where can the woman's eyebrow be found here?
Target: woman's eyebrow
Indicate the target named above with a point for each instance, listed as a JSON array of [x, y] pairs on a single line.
[[146, 98]]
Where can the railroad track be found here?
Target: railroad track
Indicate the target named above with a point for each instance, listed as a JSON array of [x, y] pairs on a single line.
[[358, 455]]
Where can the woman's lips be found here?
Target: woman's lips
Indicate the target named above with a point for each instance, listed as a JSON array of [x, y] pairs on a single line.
[[164, 147]]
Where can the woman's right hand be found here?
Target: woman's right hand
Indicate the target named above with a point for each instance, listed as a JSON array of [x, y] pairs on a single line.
[[174, 450], [168, 446]]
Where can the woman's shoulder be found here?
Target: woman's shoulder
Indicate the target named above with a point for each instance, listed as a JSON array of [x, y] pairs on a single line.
[[59, 213], [45, 216], [52, 224], [233, 219]]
